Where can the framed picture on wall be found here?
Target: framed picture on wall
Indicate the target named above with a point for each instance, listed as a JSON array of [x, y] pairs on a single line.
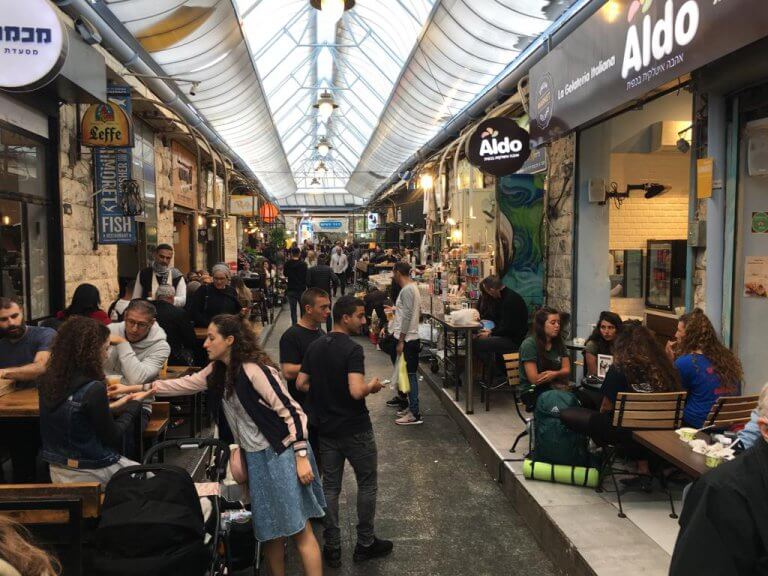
[[604, 361]]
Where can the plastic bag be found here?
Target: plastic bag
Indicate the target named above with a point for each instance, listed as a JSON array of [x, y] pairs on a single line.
[[399, 379]]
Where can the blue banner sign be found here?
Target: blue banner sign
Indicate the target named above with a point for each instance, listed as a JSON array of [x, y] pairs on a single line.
[[330, 224], [111, 167]]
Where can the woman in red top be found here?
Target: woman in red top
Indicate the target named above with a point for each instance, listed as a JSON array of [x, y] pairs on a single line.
[[86, 301]]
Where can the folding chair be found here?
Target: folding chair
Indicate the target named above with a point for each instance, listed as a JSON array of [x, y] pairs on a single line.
[[642, 411], [730, 410]]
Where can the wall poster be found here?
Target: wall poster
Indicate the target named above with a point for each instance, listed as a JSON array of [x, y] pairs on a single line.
[[520, 247], [184, 176], [756, 277]]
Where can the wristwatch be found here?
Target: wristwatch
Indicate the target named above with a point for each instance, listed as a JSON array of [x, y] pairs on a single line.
[[301, 453]]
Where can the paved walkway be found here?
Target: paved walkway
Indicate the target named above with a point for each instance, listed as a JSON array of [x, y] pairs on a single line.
[[445, 514]]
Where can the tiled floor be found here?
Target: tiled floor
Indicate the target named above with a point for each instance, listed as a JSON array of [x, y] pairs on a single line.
[[640, 544]]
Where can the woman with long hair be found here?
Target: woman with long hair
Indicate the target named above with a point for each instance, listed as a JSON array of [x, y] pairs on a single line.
[[86, 301], [707, 369], [601, 340], [81, 438], [639, 365], [270, 428], [545, 361], [244, 294], [19, 556]]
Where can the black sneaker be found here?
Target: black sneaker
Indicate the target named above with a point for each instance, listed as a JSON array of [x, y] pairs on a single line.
[[378, 549], [397, 402], [332, 557]]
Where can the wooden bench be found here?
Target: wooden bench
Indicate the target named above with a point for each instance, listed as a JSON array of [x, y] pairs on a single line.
[[158, 424], [54, 506]]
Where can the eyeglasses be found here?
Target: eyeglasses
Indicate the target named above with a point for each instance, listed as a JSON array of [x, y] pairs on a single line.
[[139, 325]]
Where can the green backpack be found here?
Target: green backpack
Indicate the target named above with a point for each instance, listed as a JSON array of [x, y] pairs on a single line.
[[553, 442]]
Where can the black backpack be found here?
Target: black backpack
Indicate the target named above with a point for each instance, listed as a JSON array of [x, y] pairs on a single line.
[[151, 524]]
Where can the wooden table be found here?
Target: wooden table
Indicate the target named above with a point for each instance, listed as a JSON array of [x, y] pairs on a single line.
[[667, 444], [20, 404]]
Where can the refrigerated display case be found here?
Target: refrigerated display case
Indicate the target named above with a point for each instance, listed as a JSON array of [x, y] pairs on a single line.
[[665, 274]]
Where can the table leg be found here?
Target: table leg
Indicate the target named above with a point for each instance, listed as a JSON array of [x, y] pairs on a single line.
[[468, 376], [456, 376]]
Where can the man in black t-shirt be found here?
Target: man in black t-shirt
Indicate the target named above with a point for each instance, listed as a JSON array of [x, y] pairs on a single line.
[[295, 271], [333, 373], [316, 307]]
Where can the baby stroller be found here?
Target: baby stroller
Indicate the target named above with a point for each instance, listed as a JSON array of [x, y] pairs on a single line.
[[152, 521]]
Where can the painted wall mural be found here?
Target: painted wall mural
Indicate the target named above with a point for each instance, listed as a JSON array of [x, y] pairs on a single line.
[[520, 242]]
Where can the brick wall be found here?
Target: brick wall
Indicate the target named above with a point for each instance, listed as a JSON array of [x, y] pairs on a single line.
[[664, 217], [560, 227], [82, 264]]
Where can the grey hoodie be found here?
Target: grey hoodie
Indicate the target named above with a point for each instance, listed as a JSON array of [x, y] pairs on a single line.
[[138, 362]]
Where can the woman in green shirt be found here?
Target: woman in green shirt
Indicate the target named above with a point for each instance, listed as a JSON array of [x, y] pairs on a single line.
[[543, 356]]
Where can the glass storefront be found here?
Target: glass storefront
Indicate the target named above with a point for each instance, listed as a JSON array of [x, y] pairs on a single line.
[[26, 216]]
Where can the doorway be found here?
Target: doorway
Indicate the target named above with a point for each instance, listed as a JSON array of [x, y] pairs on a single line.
[[182, 241]]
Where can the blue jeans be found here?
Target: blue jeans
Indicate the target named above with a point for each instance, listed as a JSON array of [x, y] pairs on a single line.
[[413, 395]]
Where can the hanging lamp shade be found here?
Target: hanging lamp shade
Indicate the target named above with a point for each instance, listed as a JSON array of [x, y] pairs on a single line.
[[332, 8], [268, 212]]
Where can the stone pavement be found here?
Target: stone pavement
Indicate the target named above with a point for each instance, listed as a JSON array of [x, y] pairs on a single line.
[[445, 514]]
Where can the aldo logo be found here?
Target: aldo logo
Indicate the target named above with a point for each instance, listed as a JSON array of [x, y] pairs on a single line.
[[650, 41]]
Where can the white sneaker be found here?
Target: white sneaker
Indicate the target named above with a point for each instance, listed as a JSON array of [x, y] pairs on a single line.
[[403, 412], [408, 420]]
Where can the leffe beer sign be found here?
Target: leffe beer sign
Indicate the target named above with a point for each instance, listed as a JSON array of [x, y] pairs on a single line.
[[630, 47]]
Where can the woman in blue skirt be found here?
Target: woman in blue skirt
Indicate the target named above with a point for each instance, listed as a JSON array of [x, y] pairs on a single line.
[[271, 430]]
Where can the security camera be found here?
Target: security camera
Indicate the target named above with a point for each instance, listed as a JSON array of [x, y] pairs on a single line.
[[683, 145], [87, 31], [193, 88], [653, 190]]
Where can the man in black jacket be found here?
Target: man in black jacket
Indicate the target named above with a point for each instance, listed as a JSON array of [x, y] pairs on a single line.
[[295, 271], [321, 276], [178, 326], [722, 526], [508, 334]]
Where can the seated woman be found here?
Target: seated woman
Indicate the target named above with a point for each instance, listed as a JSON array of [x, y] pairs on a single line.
[[19, 554], [86, 301], [639, 365], [543, 356], [601, 341], [707, 369], [81, 438]]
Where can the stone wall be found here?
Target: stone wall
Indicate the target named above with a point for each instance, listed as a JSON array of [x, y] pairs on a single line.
[[164, 191], [81, 262], [559, 224]]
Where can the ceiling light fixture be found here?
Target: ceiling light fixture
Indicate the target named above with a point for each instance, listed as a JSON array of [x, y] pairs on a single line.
[[332, 9], [323, 147], [426, 181], [315, 183], [325, 106], [321, 168]]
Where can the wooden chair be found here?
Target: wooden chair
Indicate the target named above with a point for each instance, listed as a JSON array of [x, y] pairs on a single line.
[[157, 427], [730, 410], [47, 508], [643, 411]]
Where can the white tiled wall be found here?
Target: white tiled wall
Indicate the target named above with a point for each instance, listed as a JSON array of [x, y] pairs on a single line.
[[662, 218]]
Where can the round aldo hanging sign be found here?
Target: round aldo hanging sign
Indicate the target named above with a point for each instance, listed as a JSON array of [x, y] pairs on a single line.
[[33, 44], [499, 146]]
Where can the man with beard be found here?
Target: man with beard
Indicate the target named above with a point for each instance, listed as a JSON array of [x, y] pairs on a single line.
[[161, 272], [24, 353]]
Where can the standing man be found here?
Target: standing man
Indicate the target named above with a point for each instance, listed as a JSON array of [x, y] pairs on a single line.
[[333, 373], [322, 276], [295, 270], [24, 353], [405, 330], [339, 265], [161, 272], [294, 343], [509, 333]]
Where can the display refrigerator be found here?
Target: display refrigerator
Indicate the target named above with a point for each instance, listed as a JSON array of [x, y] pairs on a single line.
[[665, 274]]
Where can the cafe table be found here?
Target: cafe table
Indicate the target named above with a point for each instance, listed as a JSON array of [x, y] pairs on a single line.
[[19, 405], [667, 445], [196, 398], [468, 331]]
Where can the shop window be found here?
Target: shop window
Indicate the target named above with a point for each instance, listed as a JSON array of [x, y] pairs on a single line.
[[22, 164]]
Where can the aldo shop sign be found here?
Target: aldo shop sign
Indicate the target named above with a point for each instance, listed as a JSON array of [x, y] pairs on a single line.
[[498, 146], [630, 47], [33, 44]]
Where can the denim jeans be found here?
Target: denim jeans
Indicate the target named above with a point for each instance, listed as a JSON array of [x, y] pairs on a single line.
[[293, 305], [411, 353], [360, 450]]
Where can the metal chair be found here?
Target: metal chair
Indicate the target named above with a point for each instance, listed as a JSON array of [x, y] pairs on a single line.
[[642, 411], [730, 410]]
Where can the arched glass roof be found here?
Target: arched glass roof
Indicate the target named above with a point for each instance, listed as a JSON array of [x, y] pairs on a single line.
[[396, 70]]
